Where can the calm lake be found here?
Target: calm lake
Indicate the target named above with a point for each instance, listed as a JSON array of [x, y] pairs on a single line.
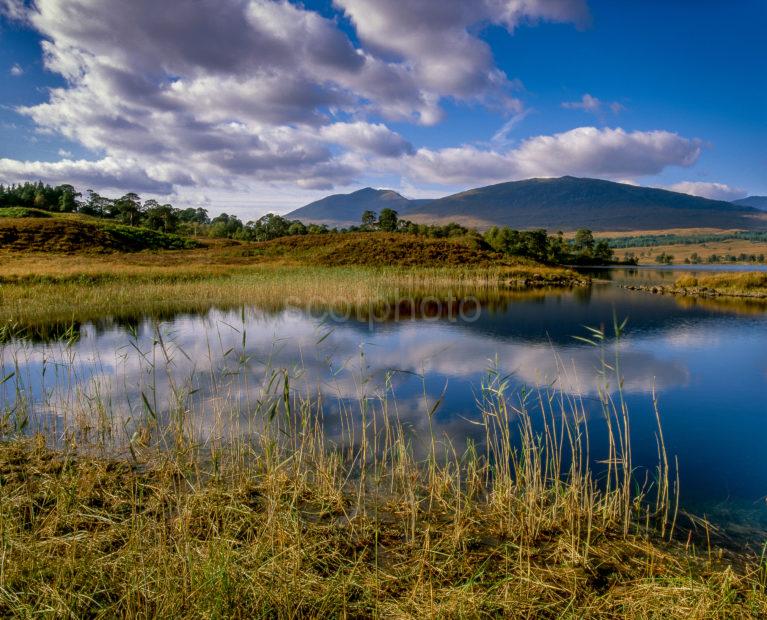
[[704, 360]]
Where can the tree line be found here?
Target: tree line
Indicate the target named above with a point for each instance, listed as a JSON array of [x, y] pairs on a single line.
[[535, 244], [129, 209]]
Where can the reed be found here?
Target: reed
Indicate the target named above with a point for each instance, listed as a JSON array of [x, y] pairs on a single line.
[[74, 291], [750, 284], [239, 490]]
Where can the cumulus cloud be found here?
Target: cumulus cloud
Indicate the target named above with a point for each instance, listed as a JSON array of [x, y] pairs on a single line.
[[217, 90], [438, 38], [16, 70], [584, 151], [105, 173], [230, 95], [717, 191], [376, 139]]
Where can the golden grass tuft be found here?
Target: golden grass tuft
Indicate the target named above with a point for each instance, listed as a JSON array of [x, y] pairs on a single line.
[[750, 284], [284, 524]]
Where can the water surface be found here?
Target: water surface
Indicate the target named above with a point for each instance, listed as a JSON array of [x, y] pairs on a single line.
[[705, 361]]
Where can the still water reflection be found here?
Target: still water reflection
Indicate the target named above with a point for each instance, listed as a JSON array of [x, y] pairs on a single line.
[[706, 362]]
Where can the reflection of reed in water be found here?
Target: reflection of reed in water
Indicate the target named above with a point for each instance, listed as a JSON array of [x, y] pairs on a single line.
[[235, 503], [460, 304], [725, 305]]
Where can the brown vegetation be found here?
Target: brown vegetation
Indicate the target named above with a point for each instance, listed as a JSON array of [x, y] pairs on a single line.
[[80, 234]]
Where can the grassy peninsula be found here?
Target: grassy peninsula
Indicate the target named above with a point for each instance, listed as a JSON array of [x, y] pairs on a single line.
[[748, 286]]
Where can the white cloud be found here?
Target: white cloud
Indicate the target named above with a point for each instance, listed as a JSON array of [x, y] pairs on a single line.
[[717, 191], [375, 139], [438, 38], [236, 95], [105, 173], [16, 70], [502, 135], [589, 103], [13, 9], [585, 151]]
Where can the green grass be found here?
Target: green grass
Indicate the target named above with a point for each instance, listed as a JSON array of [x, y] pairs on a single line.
[[16, 212]]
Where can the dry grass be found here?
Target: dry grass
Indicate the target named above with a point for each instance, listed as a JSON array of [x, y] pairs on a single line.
[[262, 515], [680, 252], [285, 526], [752, 284], [35, 288], [90, 537]]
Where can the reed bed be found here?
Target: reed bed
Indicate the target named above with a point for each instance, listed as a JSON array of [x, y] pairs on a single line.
[[79, 291], [229, 496], [750, 284]]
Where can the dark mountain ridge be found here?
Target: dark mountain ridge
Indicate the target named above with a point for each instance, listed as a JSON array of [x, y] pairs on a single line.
[[347, 209], [757, 202], [566, 203]]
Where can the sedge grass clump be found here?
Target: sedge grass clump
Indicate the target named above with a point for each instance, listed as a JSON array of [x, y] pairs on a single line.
[[751, 284], [242, 505]]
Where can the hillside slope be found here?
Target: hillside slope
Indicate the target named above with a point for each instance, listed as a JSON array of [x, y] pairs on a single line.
[[38, 231], [569, 203], [757, 202], [347, 209]]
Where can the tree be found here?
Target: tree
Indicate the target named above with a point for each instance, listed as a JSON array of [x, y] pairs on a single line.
[[603, 252], [129, 209], [584, 241], [67, 198], [96, 205], [270, 226], [191, 215], [161, 217], [368, 219], [388, 220], [297, 228]]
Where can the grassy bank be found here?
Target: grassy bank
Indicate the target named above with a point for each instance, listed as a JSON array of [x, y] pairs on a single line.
[[750, 286], [285, 525], [31, 230], [726, 284], [40, 287]]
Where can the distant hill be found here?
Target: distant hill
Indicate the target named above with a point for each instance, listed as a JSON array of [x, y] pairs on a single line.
[[757, 202], [569, 203], [347, 209]]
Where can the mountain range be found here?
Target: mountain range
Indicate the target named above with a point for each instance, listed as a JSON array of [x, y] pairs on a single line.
[[565, 203], [757, 202]]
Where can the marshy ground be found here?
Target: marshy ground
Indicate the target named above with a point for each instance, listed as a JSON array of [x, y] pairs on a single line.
[[96, 521]]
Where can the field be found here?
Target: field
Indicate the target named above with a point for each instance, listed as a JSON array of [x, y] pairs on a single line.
[[686, 245], [735, 286]]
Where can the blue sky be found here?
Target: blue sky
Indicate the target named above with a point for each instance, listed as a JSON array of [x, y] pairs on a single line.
[[262, 105]]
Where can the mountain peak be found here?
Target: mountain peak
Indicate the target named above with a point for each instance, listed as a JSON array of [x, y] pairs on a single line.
[[569, 203], [347, 209], [564, 203]]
